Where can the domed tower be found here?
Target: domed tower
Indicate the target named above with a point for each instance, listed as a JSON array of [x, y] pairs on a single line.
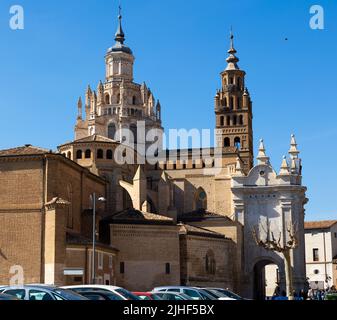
[[233, 109], [119, 102]]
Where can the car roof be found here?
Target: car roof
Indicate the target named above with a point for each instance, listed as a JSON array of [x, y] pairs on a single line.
[[96, 286], [38, 287]]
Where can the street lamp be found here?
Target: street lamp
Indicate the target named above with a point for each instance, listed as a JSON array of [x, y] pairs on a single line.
[[93, 199]]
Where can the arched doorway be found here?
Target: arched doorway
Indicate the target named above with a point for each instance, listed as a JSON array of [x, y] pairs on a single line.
[[266, 279]]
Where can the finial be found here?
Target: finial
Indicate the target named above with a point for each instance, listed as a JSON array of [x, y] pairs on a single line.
[[262, 157], [238, 168], [232, 60], [294, 152], [284, 167], [120, 36]]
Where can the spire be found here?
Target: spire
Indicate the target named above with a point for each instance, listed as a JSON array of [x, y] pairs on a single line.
[[293, 148], [232, 60], [120, 36], [262, 157], [79, 107], [284, 167]]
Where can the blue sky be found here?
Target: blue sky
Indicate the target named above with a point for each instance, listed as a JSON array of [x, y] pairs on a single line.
[[180, 49]]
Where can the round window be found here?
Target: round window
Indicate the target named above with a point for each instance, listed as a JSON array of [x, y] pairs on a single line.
[[316, 271], [202, 195]]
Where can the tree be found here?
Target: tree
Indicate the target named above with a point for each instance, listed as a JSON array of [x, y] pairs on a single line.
[[285, 248]]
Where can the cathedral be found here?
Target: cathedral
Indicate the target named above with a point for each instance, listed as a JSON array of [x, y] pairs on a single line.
[[169, 217]]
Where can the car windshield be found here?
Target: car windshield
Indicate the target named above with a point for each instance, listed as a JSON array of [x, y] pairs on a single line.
[[126, 294], [229, 294], [214, 294], [68, 294]]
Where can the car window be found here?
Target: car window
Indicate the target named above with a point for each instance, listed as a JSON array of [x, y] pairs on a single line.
[[58, 298], [193, 294], [173, 290], [37, 295], [144, 297], [94, 296], [126, 294], [19, 293], [213, 294], [66, 294]]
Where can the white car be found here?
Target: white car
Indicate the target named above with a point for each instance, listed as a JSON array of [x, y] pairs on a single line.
[[124, 294]]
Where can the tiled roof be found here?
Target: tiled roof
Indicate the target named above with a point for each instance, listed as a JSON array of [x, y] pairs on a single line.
[[95, 138], [200, 231], [23, 151], [138, 217], [320, 224], [199, 215], [78, 239]]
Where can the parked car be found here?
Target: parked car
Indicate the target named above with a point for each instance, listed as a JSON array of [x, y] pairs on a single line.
[[223, 294], [102, 296], [192, 292], [147, 295], [172, 296], [7, 297], [125, 294], [41, 293]]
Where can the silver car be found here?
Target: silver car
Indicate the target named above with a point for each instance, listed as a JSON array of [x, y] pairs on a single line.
[[41, 293], [192, 292]]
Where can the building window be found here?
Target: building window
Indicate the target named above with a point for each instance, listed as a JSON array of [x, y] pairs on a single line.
[[110, 262], [109, 154], [118, 98], [227, 143], [228, 121], [222, 121], [134, 100], [112, 131], [122, 268], [231, 103], [316, 271], [107, 99], [231, 80], [241, 120], [201, 199], [100, 260], [335, 234], [235, 120], [79, 154], [100, 154], [69, 155], [237, 143], [88, 154], [210, 264], [239, 102], [168, 268], [315, 253], [239, 83]]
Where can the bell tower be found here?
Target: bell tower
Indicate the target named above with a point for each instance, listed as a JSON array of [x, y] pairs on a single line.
[[233, 109]]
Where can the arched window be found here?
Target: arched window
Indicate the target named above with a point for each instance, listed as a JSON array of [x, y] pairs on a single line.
[[237, 143], [109, 154], [79, 154], [133, 130], [100, 154], [201, 199], [239, 102], [210, 263], [107, 99], [228, 121], [134, 100], [222, 121], [69, 155], [235, 120], [88, 154], [225, 101], [231, 103], [118, 98], [231, 80], [227, 143], [239, 83], [112, 131], [241, 120]]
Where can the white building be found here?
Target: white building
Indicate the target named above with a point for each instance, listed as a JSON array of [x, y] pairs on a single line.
[[321, 252]]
